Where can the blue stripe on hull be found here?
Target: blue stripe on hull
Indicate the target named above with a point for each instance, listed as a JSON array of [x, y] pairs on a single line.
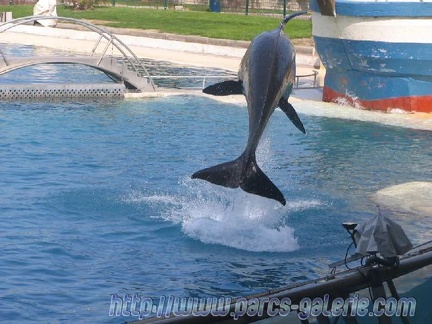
[[332, 53], [414, 59], [367, 86], [375, 70], [379, 9], [390, 58]]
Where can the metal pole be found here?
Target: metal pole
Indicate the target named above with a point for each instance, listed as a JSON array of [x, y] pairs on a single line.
[[284, 7], [247, 7], [113, 3], [165, 4]]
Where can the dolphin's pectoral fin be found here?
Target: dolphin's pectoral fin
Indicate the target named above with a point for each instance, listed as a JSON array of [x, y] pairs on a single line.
[[225, 88], [289, 110], [256, 182]]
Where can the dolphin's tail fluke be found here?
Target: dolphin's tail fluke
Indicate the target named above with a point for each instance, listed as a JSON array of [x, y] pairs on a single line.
[[256, 182], [226, 174], [237, 173]]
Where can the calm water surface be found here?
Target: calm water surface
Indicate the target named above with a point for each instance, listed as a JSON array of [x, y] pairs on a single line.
[[96, 199]]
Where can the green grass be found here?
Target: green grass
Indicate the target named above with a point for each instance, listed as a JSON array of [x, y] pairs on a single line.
[[208, 24]]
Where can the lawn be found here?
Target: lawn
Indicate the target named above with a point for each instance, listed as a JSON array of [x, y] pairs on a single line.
[[208, 24]]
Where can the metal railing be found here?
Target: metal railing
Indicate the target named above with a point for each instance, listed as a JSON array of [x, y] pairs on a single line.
[[133, 62], [247, 7], [304, 81]]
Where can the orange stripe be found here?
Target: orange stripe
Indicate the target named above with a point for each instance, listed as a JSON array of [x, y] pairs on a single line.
[[412, 103]]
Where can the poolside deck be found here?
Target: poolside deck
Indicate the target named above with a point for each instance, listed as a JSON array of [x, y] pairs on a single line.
[[188, 50]]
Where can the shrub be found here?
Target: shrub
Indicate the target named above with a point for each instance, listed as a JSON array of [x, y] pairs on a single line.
[[84, 4]]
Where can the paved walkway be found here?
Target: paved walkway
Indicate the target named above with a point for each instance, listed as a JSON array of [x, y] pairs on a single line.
[[188, 50]]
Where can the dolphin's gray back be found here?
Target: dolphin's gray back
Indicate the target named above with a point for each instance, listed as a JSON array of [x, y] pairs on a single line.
[[267, 72], [269, 61]]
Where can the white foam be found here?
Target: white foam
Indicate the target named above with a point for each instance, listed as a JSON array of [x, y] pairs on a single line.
[[229, 217]]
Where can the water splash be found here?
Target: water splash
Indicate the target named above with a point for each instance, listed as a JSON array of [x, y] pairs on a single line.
[[230, 217]]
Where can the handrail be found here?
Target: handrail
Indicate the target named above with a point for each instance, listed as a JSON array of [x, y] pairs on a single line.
[[110, 37], [314, 74], [226, 76], [3, 55]]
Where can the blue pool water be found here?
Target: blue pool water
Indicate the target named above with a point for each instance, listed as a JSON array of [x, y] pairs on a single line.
[[96, 199]]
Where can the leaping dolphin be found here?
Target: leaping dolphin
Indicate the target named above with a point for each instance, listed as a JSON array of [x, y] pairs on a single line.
[[266, 78]]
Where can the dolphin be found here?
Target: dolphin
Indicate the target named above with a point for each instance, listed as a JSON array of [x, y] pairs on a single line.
[[266, 78]]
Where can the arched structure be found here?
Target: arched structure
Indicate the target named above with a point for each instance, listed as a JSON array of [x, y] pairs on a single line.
[[125, 68]]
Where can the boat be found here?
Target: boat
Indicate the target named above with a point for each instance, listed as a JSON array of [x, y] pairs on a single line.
[[377, 54]]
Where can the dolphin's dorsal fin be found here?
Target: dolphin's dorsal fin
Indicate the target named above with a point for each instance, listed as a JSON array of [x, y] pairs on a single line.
[[288, 18], [289, 110], [225, 88]]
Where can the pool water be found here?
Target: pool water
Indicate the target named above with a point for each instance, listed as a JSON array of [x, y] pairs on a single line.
[[96, 199]]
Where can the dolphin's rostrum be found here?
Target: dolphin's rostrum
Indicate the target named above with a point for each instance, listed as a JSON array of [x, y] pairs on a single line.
[[266, 78]]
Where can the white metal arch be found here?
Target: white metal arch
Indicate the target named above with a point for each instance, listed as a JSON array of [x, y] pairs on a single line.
[[133, 73]]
